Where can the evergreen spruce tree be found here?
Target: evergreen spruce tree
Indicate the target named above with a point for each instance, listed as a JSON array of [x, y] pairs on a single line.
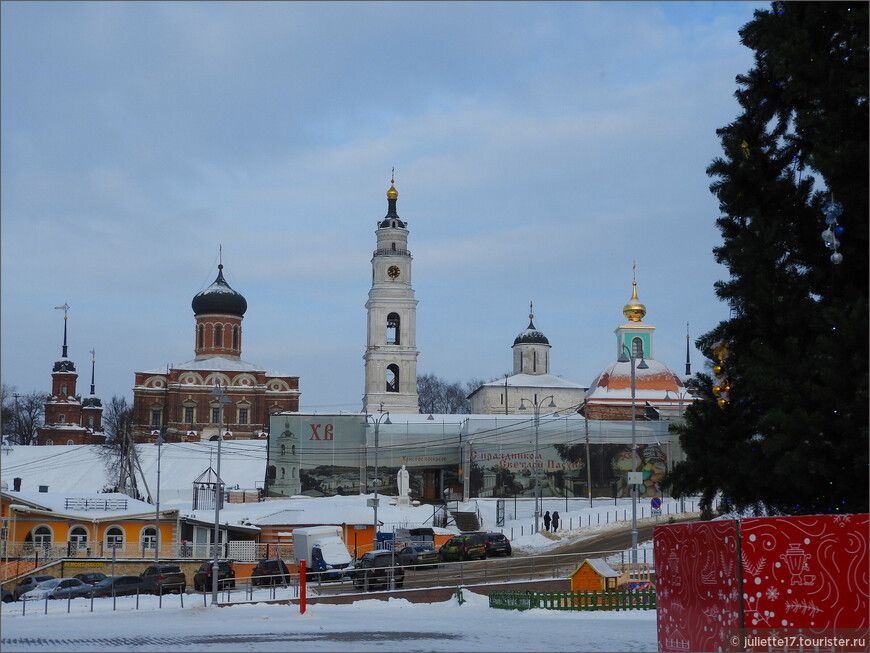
[[782, 423]]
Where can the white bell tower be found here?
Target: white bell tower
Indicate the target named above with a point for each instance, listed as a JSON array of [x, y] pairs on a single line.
[[391, 342]]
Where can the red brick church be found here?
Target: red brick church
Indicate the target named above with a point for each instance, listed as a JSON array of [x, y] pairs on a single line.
[[178, 400]]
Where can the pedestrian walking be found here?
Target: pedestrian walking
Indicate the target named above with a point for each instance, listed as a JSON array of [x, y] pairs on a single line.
[[547, 520], [555, 520]]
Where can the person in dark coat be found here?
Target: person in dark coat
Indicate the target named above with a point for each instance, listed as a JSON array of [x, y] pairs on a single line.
[[555, 521], [547, 520]]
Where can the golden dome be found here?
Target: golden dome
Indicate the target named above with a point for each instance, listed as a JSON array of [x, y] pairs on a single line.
[[634, 310], [392, 193]]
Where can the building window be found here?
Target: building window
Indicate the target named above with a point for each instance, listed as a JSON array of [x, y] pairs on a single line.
[[49, 442], [201, 335], [63, 388], [215, 415], [283, 450], [70, 442], [393, 322], [218, 335], [91, 422], [78, 537], [243, 415], [61, 418], [235, 337], [393, 378], [155, 417], [115, 538], [282, 472], [637, 347], [42, 537], [188, 414], [149, 538]]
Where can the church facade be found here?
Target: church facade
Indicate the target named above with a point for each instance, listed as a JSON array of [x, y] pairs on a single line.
[[180, 402]]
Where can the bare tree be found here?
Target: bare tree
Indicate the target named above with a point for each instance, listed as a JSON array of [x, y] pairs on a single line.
[[119, 451], [443, 397], [22, 414]]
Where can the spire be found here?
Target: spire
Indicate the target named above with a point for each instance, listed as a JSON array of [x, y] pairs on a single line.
[[63, 308], [688, 361], [93, 353], [392, 218]]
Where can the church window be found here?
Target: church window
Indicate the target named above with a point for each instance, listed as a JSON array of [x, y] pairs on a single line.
[[49, 442], [218, 335], [215, 415], [282, 472], [392, 378], [637, 347], [188, 414], [235, 337], [393, 324], [394, 244], [534, 361], [283, 450], [91, 422], [155, 417], [70, 442], [243, 415], [63, 388], [292, 449], [201, 336], [61, 418]]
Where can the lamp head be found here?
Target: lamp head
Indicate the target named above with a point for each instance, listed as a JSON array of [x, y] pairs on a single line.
[[642, 365], [622, 358], [522, 405], [387, 421], [552, 404]]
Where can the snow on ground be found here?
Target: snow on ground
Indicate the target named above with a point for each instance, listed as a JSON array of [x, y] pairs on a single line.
[[367, 625]]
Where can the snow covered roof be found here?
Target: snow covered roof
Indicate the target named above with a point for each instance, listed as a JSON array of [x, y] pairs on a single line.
[[535, 381], [86, 506], [216, 364], [658, 383]]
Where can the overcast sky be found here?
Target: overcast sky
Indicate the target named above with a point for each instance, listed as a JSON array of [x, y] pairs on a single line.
[[540, 149]]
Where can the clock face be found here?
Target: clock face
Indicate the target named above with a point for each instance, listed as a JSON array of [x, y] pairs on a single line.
[[393, 272]]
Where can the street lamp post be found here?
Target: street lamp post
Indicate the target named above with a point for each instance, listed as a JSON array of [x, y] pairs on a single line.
[[588, 459], [220, 393], [385, 418], [633, 486], [537, 407], [159, 444]]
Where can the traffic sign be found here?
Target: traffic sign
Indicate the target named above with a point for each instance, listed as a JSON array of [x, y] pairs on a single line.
[[655, 503]]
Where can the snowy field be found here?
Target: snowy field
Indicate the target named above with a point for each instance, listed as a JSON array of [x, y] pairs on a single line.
[[368, 625]]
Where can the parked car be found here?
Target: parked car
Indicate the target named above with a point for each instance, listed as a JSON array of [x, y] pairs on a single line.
[[165, 578], [270, 572], [8, 596], [120, 586], [497, 544], [91, 578], [421, 554], [467, 546], [28, 584], [374, 569], [203, 581], [57, 588]]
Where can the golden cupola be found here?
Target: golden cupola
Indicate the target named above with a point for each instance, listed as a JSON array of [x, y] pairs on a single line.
[[634, 310]]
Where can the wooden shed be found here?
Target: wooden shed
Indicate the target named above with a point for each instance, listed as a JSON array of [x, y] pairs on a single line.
[[594, 575]]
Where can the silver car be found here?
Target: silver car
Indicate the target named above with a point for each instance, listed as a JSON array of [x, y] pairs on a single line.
[[58, 588]]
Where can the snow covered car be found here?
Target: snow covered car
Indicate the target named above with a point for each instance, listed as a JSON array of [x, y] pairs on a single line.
[[57, 588]]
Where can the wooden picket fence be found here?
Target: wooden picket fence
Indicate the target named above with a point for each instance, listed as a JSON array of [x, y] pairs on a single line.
[[523, 600]]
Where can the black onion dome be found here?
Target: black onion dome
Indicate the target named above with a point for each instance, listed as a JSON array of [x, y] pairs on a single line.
[[92, 402], [531, 336], [219, 298]]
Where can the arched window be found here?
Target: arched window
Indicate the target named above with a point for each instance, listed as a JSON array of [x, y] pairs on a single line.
[[637, 347], [393, 322], [91, 422], [114, 537], [49, 442], [70, 442], [235, 337], [201, 335], [42, 537], [63, 388], [392, 378], [148, 538], [282, 472], [292, 449], [218, 335], [61, 418], [78, 539], [283, 450]]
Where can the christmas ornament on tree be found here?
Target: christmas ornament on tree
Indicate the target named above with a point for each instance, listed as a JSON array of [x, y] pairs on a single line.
[[723, 387], [832, 211]]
